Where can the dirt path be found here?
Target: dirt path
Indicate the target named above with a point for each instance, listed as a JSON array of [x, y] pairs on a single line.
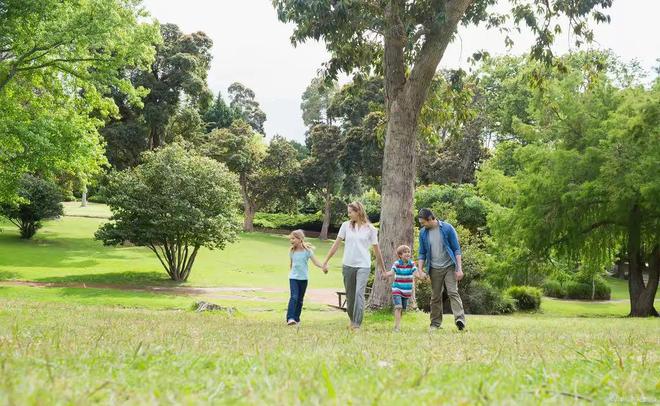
[[326, 296]]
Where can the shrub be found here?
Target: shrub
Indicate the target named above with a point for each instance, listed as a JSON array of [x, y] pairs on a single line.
[[526, 297], [38, 200], [289, 221], [581, 290], [174, 203], [553, 288], [482, 298], [479, 297]]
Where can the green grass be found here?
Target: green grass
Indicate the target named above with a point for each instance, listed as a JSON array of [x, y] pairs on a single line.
[[79, 354], [91, 210], [65, 251], [619, 288]]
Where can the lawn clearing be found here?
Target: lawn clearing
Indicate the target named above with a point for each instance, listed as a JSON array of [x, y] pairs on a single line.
[[72, 353], [64, 251]]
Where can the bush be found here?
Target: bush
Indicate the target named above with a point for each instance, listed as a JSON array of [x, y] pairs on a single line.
[[479, 297], [289, 221], [581, 290], [553, 288], [174, 203], [526, 297], [483, 298], [38, 200]]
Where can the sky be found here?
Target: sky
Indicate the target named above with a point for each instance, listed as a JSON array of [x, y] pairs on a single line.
[[253, 47]]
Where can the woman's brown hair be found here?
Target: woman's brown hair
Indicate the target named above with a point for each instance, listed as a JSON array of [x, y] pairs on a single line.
[[362, 214]]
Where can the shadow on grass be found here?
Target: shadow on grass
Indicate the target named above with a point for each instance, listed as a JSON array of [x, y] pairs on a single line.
[[115, 278]]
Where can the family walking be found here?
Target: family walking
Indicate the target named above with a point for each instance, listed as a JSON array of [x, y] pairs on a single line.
[[439, 258]]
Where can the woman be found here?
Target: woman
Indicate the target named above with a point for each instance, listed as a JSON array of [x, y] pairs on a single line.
[[358, 235]]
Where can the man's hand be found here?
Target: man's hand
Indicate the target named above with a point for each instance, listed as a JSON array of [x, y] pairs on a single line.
[[459, 275]]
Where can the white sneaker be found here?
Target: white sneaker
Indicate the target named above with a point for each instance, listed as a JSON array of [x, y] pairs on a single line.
[[291, 322]]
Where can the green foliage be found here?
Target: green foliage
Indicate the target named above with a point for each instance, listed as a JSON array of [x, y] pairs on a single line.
[[572, 184], [288, 221], [478, 297], [316, 101], [553, 288], [174, 203], [245, 106], [594, 290], [57, 60], [526, 297], [38, 200], [353, 30], [470, 209], [219, 114], [281, 179]]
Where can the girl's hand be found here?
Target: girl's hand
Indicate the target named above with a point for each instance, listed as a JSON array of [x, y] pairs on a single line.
[[325, 268]]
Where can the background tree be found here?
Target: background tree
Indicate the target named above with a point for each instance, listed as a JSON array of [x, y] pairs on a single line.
[[181, 67], [316, 100], [38, 200], [282, 181], [244, 104], [322, 170], [219, 114], [243, 151], [57, 60], [582, 190], [174, 203], [406, 41]]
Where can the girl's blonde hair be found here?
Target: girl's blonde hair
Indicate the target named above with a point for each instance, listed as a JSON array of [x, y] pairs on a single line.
[[300, 234], [362, 214]]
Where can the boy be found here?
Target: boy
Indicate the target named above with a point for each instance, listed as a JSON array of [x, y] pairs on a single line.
[[403, 271]]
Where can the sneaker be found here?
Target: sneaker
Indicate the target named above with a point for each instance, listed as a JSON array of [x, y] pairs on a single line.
[[433, 329], [460, 324], [291, 322], [396, 329]]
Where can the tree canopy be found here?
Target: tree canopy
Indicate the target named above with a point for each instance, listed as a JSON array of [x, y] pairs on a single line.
[[58, 61]]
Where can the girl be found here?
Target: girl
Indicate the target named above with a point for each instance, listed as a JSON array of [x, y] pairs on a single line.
[[301, 252], [358, 235]]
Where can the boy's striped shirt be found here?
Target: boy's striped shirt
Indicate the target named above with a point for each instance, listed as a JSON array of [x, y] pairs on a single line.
[[403, 278]]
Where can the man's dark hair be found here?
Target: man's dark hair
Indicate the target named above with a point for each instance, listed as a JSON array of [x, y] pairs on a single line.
[[426, 214]]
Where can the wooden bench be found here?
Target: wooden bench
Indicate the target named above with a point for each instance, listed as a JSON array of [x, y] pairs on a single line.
[[341, 298]]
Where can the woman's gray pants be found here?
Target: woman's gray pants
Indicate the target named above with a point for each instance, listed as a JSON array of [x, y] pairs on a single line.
[[355, 283]]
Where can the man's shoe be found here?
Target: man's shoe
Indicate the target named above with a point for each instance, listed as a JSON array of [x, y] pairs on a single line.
[[460, 324], [433, 329]]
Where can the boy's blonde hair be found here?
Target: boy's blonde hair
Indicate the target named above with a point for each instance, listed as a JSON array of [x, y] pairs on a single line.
[[402, 249], [362, 214], [300, 234]]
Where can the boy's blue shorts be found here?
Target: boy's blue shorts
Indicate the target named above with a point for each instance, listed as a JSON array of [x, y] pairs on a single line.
[[400, 302]]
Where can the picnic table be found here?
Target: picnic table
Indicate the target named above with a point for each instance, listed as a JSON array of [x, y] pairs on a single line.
[[341, 298]]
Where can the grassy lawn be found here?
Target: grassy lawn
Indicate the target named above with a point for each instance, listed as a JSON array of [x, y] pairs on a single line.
[[65, 251], [77, 345], [68, 353]]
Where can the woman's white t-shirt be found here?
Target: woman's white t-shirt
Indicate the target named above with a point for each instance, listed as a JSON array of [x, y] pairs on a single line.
[[357, 242]]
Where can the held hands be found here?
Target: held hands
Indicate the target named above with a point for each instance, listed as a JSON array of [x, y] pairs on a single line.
[[324, 268], [459, 275]]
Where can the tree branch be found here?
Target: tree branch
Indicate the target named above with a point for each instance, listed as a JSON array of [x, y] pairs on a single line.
[[394, 57], [440, 32]]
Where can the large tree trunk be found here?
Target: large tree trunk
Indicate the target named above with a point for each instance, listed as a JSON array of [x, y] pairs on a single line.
[[396, 219], [404, 96], [642, 295], [326, 216]]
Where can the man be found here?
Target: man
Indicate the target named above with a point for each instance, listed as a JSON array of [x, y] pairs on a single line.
[[440, 257]]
